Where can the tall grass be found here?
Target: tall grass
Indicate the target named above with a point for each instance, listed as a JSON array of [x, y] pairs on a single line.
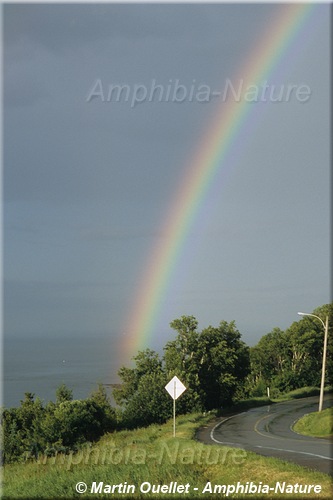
[[152, 455]]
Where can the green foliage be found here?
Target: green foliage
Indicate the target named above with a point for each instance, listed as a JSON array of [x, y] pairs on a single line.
[[211, 364], [63, 393], [142, 394], [147, 361], [215, 365], [288, 360], [106, 415], [224, 364], [13, 447], [181, 359], [150, 403], [32, 428]]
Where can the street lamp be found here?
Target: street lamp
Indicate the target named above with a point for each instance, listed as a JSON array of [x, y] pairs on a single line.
[[325, 325]]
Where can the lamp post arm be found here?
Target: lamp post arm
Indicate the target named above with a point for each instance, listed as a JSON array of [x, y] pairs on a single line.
[[314, 316]]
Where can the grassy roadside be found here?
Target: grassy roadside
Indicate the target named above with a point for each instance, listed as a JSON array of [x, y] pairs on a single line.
[[317, 424], [246, 404], [153, 455], [304, 392]]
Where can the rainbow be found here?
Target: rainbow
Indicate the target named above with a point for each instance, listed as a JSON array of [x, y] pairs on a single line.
[[207, 161]]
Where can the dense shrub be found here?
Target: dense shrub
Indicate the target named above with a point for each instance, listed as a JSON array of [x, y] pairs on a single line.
[[32, 428]]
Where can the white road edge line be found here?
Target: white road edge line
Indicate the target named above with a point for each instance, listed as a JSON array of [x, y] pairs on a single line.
[[218, 425], [297, 452], [238, 445]]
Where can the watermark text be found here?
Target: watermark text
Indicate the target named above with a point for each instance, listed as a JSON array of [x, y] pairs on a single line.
[[176, 91]]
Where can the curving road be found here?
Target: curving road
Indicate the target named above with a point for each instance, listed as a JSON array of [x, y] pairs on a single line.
[[267, 431]]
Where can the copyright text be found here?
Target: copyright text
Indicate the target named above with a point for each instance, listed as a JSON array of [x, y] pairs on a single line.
[[174, 488]]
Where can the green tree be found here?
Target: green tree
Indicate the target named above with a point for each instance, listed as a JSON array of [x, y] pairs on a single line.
[[224, 364], [181, 359], [150, 403], [106, 414], [142, 395], [13, 447], [213, 364], [269, 359], [292, 359], [23, 436], [305, 345], [77, 421], [50, 427], [304, 349], [256, 383], [30, 416], [146, 362], [63, 393]]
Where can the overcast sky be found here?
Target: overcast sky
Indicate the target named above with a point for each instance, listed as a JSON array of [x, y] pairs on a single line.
[[88, 185]]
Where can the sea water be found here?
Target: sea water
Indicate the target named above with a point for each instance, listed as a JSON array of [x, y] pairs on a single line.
[[40, 365]]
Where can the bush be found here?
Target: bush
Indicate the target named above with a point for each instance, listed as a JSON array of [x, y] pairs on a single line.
[[65, 425]]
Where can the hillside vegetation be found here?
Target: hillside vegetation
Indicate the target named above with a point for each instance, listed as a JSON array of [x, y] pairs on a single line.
[[152, 455], [49, 448], [216, 366]]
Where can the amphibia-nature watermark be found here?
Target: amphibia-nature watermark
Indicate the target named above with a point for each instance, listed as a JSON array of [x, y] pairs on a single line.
[[176, 92], [166, 453]]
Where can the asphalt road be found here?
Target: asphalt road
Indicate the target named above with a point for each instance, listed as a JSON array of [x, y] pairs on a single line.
[[267, 431]]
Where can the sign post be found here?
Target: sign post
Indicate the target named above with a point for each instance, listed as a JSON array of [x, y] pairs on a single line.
[[175, 388], [174, 408]]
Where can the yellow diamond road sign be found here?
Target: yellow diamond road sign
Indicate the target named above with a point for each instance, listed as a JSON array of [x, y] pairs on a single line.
[[175, 388]]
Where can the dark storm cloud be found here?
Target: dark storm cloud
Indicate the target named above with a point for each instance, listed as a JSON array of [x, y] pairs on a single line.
[[58, 26], [88, 185]]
